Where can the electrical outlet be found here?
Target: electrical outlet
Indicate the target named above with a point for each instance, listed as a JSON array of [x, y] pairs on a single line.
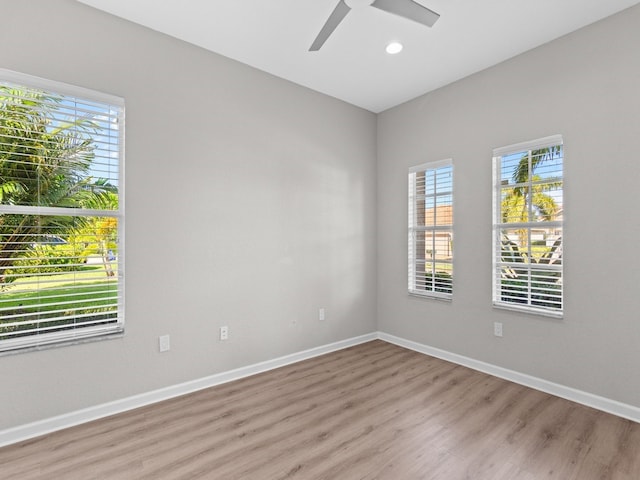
[[164, 343], [497, 329], [224, 333], [321, 314]]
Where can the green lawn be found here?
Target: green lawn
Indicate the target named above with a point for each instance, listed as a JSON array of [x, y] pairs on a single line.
[[65, 298], [102, 293], [61, 279]]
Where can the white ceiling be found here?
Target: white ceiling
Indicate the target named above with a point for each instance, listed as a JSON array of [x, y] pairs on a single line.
[[274, 36]]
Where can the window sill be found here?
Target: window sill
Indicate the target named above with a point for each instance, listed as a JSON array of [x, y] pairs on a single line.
[[432, 296], [529, 310], [63, 343]]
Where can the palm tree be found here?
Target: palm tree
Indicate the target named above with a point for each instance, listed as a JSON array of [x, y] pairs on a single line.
[[530, 192], [44, 161]]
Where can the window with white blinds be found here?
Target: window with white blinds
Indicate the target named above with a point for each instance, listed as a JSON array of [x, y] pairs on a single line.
[[527, 226], [431, 229], [61, 213]]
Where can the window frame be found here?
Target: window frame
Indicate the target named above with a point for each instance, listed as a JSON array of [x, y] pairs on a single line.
[[41, 339], [413, 227], [498, 264]]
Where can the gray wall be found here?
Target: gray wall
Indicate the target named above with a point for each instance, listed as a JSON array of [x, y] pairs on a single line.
[[250, 203], [585, 86]]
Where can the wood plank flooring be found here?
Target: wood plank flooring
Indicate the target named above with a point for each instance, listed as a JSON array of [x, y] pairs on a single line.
[[374, 411]]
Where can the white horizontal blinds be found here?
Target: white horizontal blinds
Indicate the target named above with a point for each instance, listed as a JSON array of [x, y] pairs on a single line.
[[63, 136], [528, 220], [61, 215], [431, 229]]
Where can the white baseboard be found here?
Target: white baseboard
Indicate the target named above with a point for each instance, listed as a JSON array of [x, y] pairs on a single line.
[[42, 427], [623, 410]]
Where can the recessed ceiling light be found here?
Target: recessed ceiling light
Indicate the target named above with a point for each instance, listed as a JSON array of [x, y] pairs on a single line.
[[393, 48]]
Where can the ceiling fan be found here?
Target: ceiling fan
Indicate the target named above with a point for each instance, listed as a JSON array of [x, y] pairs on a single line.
[[404, 8]]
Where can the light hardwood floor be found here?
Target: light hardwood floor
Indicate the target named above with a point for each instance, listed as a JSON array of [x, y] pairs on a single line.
[[374, 411]]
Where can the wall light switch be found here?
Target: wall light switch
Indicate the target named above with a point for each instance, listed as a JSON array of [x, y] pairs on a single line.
[[164, 343]]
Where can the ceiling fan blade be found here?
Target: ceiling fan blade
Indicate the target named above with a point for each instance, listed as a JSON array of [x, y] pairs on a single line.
[[332, 22], [408, 9]]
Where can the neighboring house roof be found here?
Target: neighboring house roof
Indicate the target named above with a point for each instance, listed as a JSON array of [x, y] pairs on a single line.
[[441, 215]]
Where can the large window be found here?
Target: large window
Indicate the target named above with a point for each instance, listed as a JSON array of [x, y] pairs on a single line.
[[527, 226], [61, 213], [431, 229]]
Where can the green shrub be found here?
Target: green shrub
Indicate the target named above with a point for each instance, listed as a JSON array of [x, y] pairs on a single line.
[[44, 259]]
